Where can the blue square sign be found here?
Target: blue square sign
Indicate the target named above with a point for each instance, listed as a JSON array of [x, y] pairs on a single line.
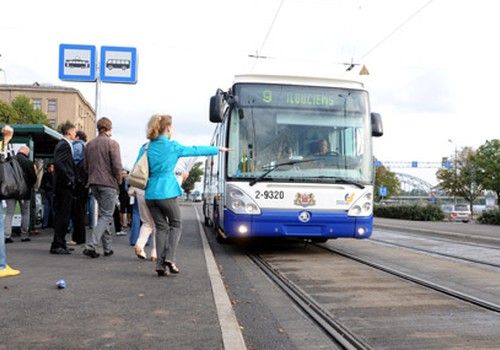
[[118, 64], [77, 62]]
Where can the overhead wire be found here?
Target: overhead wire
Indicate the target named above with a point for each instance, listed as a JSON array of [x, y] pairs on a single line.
[[395, 30], [257, 56]]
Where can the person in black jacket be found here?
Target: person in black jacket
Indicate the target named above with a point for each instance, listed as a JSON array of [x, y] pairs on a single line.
[[29, 172], [81, 192], [64, 186], [47, 185]]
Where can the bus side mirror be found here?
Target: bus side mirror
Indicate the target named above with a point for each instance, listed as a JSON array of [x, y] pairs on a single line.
[[377, 128], [215, 113]]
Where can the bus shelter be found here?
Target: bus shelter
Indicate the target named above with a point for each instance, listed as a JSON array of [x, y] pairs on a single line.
[[39, 138], [42, 141]]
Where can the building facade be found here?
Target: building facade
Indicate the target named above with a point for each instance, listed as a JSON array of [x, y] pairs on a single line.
[[58, 103]]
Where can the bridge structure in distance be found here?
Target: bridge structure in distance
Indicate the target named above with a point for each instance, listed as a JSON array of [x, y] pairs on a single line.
[[409, 182]]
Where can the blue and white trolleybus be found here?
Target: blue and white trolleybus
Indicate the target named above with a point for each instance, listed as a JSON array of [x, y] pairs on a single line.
[[302, 161]]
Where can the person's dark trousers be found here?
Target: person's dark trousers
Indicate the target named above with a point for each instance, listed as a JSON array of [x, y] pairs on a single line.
[[116, 219], [63, 205], [78, 214], [48, 209]]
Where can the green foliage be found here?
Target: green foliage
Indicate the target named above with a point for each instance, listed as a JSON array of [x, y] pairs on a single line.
[[21, 111], [41, 118], [8, 115], [417, 212], [59, 127], [388, 179], [490, 217], [194, 176], [488, 165], [23, 106], [461, 180]]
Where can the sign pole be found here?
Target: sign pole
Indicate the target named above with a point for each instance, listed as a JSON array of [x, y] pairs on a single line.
[[97, 102], [95, 213]]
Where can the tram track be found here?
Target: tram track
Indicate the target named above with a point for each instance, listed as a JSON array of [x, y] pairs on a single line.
[[417, 280], [363, 304], [338, 332], [436, 253]]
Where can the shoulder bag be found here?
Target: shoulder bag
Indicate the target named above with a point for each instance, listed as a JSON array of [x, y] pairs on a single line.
[[139, 174], [12, 182]]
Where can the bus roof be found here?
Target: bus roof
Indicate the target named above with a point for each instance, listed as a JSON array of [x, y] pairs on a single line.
[[298, 80]]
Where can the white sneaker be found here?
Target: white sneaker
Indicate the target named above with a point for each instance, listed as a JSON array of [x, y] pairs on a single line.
[[121, 233]]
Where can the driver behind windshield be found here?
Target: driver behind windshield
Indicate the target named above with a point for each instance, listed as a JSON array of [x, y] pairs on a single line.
[[321, 147]]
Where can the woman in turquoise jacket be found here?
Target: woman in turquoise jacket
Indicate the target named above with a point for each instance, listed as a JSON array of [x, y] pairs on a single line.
[[163, 189]]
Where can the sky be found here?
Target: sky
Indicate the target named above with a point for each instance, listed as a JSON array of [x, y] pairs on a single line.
[[432, 63]]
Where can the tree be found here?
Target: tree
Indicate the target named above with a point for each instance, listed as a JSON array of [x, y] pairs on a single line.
[[461, 179], [59, 127], [488, 165], [194, 176], [26, 113], [386, 178], [8, 115]]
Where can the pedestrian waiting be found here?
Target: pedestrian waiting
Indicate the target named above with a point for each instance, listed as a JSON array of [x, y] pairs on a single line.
[[29, 173]]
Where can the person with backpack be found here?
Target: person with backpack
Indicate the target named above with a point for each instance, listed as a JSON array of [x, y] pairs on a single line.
[[5, 270], [29, 173]]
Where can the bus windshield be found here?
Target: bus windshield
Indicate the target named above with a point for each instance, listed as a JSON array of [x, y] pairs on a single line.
[[299, 133]]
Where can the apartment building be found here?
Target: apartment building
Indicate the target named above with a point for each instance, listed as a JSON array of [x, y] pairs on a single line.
[[59, 103]]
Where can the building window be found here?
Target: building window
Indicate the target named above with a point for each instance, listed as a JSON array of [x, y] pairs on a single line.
[[52, 106], [52, 123], [37, 103]]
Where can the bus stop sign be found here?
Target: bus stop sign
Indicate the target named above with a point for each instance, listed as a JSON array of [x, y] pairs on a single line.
[[118, 64], [77, 62]]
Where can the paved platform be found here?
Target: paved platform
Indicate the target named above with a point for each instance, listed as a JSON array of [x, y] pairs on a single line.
[[115, 302]]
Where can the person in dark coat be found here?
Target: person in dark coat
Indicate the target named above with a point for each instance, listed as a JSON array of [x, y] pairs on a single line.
[[64, 186], [47, 185], [29, 172], [81, 192]]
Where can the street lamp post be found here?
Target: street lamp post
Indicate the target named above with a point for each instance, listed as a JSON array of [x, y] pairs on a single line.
[[455, 166], [4, 74]]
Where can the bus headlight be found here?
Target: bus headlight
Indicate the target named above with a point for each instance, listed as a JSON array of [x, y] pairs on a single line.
[[239, 202], [363, 206]]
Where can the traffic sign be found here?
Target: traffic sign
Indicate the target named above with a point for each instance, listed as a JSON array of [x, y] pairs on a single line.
[[382, 191], [77, 62], [118, 64]]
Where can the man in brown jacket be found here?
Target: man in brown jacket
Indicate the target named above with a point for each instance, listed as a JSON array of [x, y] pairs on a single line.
[[103, 164]]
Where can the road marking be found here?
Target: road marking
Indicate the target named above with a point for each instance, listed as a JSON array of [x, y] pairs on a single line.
[[231, 331]]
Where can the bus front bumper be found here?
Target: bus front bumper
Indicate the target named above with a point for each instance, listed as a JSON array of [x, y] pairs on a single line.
[[297, 223]]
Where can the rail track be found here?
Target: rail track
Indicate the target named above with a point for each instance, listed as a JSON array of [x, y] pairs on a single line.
[[338, 332], [326, 299], [442, 254]]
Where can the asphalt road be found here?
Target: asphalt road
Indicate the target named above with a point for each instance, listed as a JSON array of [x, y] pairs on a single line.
[[109, 302]]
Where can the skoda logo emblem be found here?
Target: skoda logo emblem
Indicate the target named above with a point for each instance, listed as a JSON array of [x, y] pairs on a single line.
[[304, 216]]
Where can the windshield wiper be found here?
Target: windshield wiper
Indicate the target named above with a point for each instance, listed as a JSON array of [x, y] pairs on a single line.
[[258, 178], [341, 180]]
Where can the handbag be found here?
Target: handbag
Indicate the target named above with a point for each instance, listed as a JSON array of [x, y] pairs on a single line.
[[12, 182], [139, 174]]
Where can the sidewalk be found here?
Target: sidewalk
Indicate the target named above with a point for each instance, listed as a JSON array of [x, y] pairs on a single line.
[[109, 302]]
